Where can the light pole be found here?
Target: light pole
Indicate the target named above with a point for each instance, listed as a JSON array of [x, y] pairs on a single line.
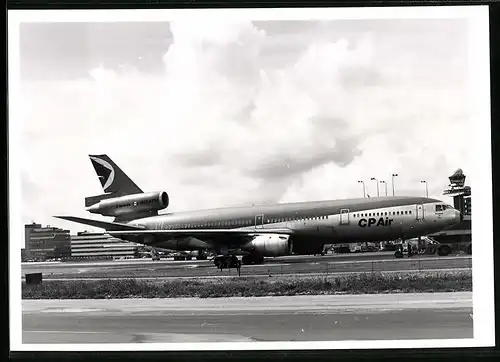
[[426, 189], [393, 175], [364, 192], [374, 179], [385, 184]]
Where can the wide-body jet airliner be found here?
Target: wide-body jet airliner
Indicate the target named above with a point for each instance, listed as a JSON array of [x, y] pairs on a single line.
[[257, 231]]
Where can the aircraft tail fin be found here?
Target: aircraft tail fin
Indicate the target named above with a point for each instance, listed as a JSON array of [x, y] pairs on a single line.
[[113, 179]]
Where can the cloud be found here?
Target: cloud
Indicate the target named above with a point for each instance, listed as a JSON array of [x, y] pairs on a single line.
[[228, 125]]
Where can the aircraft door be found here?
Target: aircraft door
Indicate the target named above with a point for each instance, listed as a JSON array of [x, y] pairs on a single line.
[[344, 217], [259, 221], [420, 212]]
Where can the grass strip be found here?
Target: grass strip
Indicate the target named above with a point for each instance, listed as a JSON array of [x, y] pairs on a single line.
[[369, 283]]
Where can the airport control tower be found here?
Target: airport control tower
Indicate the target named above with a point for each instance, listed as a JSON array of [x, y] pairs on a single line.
[[458, 236], [461, 193]]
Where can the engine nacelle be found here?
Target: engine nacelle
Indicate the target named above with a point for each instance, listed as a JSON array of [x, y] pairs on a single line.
[[137, 203], [270, 245]]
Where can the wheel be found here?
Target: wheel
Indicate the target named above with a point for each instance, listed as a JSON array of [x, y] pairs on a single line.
[[398, 254]]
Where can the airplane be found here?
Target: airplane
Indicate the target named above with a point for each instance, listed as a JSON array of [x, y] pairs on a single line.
[[258, 231]]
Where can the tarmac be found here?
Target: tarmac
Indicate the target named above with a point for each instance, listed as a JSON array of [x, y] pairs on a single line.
[[294, 265], [295, 318]]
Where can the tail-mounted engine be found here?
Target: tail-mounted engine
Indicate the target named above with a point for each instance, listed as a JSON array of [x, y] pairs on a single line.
[[131, 204]]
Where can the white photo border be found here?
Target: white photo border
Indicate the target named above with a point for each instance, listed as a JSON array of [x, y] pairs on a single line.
[[482, 259]]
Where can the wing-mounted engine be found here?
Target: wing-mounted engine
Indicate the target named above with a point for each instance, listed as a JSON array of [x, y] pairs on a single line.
[[270, 245], [136, 204]]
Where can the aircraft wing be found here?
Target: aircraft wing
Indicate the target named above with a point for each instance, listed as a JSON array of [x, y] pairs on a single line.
[[119, 229], [201, 232]]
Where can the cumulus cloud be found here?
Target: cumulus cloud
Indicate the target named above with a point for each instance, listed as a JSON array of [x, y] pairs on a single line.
[[224, 125]]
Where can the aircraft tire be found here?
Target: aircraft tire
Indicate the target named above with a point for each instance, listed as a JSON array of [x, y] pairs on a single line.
[[398, 254]]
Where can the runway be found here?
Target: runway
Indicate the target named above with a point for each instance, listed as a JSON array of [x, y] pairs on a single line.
[[146, 268], [297, 318]]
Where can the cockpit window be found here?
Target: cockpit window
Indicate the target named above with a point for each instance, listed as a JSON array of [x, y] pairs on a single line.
[[442, 207]]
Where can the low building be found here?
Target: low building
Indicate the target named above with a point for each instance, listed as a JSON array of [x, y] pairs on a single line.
[[44, 243], [86, 245]]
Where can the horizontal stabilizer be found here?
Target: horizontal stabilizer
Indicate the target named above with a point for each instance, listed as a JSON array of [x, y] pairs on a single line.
[[111, 226]]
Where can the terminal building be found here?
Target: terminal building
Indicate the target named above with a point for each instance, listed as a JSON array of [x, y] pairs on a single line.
[[52, 243], [93, 246], [45, 243]]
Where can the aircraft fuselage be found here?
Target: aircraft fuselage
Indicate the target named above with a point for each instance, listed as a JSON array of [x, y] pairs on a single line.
[[313, 223]]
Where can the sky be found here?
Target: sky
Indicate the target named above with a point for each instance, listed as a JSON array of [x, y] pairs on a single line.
[[227, 113]]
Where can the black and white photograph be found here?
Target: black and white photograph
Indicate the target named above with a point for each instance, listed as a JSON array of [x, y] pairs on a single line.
[[250, 179]]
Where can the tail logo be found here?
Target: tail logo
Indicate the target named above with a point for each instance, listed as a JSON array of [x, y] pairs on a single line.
[[105, 172]]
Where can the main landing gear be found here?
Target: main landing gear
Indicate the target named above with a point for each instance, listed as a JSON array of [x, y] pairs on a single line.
[[228, 262]]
